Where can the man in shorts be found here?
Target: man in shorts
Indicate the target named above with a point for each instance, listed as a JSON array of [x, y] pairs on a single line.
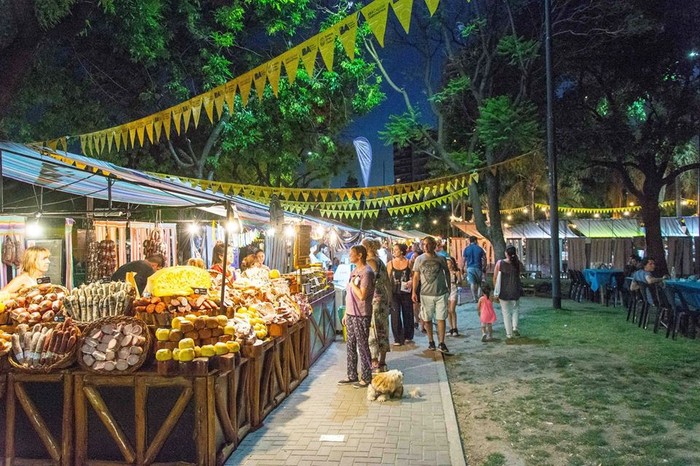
[[474, 261], [432, 277]]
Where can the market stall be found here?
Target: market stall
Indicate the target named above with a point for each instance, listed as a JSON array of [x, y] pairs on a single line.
[[160, 379]]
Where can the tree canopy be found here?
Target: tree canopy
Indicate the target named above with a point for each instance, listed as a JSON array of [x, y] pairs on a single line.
[[101, 63]]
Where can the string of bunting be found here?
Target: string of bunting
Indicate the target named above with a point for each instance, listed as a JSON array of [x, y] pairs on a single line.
[[181, 117], [595, 210], [341, 198]]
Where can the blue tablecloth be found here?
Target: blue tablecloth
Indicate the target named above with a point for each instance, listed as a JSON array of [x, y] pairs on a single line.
[[690, 290], [600, 277]]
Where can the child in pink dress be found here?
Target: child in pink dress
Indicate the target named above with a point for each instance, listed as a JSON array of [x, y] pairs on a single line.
[[487, 316]]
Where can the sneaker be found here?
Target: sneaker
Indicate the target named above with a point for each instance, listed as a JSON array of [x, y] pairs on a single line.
[[346, 382], [483, 337], [516, 333], [396, 343], [409, 342], [360, 384], [431, 346], [443, 348]]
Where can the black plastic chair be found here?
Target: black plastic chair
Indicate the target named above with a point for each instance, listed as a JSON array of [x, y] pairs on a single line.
[[684, 319], [614, 289]]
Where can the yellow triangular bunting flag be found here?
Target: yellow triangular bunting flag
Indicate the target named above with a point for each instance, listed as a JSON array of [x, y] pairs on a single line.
[[196, 106], [219, 97], [402, 10], [326, 44], [309, 49], [177, 117], [110, 140], [273, 75], [244, 84], [230, 95], [149, 130], [125, 138], [376, 15], [208, 104], [432, 6], [347, 32], [132, 135], [139, 132], [291, 63], [158, 125], [167, 120], [186, 115], [259, 78]]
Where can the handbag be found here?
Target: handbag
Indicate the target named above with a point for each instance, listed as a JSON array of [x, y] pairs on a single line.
[[497, 286]]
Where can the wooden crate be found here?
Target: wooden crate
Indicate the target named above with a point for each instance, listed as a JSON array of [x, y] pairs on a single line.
[[46, 401], [145, 419]]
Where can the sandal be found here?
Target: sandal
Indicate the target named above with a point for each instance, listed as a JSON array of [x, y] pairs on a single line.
[[360, 384], [346, 381]]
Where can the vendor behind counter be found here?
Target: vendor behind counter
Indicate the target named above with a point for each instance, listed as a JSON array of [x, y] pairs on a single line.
[[143, 269]]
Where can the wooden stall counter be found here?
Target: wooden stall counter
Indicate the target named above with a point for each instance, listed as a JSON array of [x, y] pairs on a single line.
[[145, 418]]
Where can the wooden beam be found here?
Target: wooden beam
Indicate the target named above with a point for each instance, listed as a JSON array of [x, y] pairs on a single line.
[[110, 423], [38, 423], [168, 425]]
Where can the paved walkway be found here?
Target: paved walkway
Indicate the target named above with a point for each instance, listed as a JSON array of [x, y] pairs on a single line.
[[322, 423]]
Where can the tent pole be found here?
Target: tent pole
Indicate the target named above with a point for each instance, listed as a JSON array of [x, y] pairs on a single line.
[[225, 264]]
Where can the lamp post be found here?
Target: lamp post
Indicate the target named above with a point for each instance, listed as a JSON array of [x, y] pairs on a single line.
[[552, 159]]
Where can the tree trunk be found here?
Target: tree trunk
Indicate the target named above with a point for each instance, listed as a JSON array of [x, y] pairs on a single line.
[[493, 188], [651, 215]]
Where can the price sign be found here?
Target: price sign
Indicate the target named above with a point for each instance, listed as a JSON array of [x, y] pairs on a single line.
[[59, 318], [106, 280], [42, 280], [199, 291]]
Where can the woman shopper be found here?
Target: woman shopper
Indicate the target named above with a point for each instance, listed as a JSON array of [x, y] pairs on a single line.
[[35, 263], [381, 306], [508, 290], [358, 315], [399, 271]]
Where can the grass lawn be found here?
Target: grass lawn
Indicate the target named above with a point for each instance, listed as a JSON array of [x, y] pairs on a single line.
[[582, 386]]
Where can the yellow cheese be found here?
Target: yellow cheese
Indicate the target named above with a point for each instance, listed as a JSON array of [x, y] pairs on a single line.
[[164, 355]]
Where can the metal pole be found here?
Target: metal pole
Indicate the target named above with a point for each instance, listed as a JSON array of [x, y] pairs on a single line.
[[2, 187], [225, 260], [551, 157]]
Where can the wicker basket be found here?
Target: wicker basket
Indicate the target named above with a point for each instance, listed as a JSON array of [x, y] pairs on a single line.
[[146, 333], [53, 289], [66, 361]]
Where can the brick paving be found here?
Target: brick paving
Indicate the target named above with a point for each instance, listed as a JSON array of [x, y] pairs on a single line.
[[415, 431]]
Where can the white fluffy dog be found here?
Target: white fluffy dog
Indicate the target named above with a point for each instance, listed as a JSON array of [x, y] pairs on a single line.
[[386, 385]]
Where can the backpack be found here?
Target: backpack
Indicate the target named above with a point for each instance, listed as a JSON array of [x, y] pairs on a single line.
[[9, 250]]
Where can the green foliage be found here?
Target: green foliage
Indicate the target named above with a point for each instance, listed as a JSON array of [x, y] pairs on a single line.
[[50, 12], [603, 107], [637, 111], [517, 49], [454, 88], [504, 126], [403, 129]]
